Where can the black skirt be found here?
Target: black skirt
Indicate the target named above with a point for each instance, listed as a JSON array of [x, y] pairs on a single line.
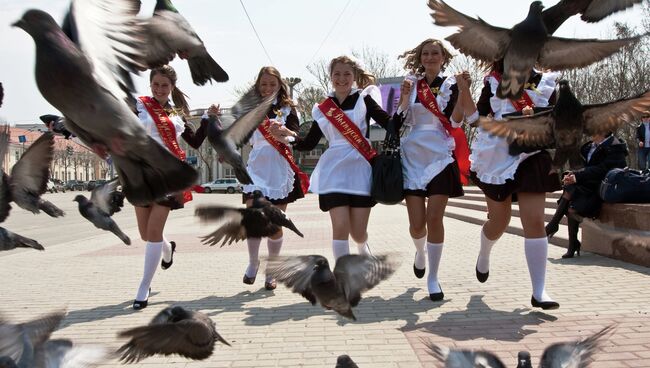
[[295, 194], [532, 176], [447, 182], [330, 200], [174, 202], [585, 201]]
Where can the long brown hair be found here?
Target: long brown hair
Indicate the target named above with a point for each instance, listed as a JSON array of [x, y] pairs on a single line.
[[283, 94], [362, 77], [177, 95], [413, 57]]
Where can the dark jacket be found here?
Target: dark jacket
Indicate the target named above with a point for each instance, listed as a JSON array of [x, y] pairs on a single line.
[[608, 155], [640, 133]]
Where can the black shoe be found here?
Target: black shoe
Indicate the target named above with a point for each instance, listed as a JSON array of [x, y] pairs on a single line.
[[270, 285], [141, 304], [436, 297], [480, 276], [165, 265], [544, 305], [419, 273], [572, 250], [551, 229]]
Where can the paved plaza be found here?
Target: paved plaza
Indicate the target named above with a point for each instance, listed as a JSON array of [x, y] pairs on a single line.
[[94, 276]]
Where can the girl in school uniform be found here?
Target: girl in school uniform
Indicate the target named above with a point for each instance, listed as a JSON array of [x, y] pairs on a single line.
[[271, 166], [505, 176], [342, 177], [437, 107]]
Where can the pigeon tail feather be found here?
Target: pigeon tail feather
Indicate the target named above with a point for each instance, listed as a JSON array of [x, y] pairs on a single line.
[[50, 209], [204, 68]]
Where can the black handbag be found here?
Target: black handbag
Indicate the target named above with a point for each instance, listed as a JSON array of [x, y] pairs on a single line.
[[626, 186], [387, 180]]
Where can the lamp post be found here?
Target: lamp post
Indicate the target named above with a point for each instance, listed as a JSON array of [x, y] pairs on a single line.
[[291, 82]]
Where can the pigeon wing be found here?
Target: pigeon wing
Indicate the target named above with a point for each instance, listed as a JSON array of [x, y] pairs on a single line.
[[63, 353], [573, 354], [103, 197], [230, 232], [112, 37], [599, 9], [563, 53], [475, 38], [295, 273], [243, 128], [31, 172], [463, 358], [609, 117], [535, 130], [219, 213], [358, 273], [188, 338]]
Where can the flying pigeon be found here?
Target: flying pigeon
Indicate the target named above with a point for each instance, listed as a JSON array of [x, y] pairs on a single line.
[[260, 220], [250, 112], [340, 290], [591, 11], [9, 241], [175, 330], [168, 33], [523, 46], [344, 361], [104, 201], [562, 126], [27, 345], [88, 81], [28, 178], [560, 355]]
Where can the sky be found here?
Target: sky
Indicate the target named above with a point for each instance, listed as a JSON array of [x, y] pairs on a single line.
[[295, 33]]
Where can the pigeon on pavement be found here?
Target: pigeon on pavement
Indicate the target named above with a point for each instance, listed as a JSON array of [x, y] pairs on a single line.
[[260, 220], [340, 290], [523, 46], [344, 361], [104, 201], [563, 126], [175, 330], [88, 81]]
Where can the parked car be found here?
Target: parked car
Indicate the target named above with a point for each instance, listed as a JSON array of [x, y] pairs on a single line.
[[75, 185], [222, 185]]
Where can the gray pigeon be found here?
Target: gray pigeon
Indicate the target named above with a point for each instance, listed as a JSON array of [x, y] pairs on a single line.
[[591, 11], [88, 82], [175, 330], [260, 220], [168, 33], [344, 361], [250, 112], [573, 354], [523, 360], [340, 290], [28, 178], [104, 201], [525, 45], [563, 126], [9, 241], [463, 358]]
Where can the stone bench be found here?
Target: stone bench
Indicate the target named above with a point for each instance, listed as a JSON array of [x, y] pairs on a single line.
[[621, 232]]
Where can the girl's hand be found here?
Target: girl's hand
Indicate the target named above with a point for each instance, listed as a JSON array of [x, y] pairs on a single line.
[[405, 92], [280, 132], [527, 111]]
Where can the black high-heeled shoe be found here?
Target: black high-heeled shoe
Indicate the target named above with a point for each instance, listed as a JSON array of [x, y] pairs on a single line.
[[436, 297], [573, 249], [419, 273], [551, 228], [165, 265], [141, 304], [544, 305]]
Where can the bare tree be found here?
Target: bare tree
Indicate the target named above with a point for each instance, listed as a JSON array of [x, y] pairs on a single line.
[[307, 97]]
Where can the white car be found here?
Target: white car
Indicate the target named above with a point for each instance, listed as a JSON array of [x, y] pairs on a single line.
[[222, 185]]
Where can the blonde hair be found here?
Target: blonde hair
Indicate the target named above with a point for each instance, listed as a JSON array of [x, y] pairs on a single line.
[[177, 95], [283, 94], [362, 77], [413, 57]]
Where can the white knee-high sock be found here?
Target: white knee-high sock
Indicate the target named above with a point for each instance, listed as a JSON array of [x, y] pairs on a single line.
[[253, 256], [274, 246], [536, 253], [166, 250], [153, 251], [363, 248], [434, 254], [483, 262], [340, 248], [421, 254]]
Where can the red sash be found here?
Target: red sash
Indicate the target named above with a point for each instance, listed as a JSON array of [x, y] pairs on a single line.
[[285, 152], [522, 102], [166, 131], [347, 128], [461, 151]]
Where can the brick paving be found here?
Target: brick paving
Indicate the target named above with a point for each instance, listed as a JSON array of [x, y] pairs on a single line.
[[95, 277]]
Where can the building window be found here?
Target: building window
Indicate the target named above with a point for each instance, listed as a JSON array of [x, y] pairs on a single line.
[[17, 155], [228, 172]]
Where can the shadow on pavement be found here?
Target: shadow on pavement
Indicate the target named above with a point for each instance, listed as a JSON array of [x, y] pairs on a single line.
[[480, 321], [593, 259]]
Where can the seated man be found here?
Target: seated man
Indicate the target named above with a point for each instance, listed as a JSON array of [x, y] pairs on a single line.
[[643, 136], [580, 196]]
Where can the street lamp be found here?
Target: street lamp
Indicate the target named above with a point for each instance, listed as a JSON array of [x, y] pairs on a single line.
[[291, 82]]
